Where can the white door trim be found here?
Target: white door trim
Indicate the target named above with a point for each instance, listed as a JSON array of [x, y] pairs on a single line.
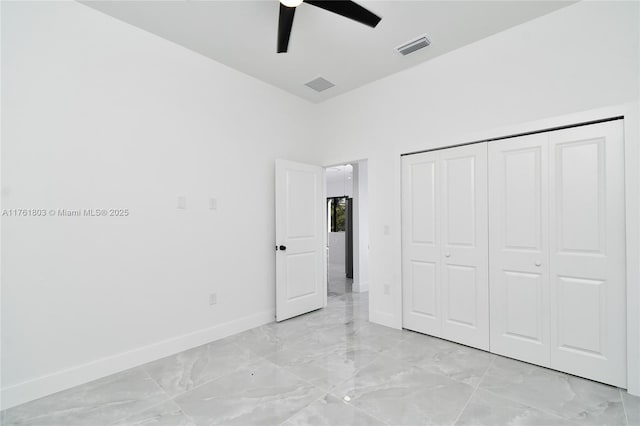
[[361, 267]]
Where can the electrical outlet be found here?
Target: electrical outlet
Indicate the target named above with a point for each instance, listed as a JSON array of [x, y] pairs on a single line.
[[387, 289], [213, 298]]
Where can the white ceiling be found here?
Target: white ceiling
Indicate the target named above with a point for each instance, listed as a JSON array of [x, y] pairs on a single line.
[[242, 35]]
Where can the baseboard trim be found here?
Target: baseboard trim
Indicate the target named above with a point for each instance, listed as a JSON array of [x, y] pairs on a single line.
[[68, 378], [384, 318]]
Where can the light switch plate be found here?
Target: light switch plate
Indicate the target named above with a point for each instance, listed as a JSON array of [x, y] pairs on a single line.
[[182, 202]]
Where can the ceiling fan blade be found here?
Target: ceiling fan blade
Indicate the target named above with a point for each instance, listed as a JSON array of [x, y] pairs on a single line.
[[348, 9], [284, 27]]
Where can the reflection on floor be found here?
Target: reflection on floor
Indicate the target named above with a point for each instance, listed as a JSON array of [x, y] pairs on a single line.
[[338, 281], [333, 367]]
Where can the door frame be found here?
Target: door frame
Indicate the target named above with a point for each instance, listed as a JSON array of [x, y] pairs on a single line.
[[357, 214], [630, 113]]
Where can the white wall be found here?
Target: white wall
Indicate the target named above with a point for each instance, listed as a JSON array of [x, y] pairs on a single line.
[[582, 57], [99, 114], [360, 227], [340, 181]]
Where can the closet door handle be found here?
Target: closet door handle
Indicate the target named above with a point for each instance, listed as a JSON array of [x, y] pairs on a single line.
[[538, 263], [447, 255]]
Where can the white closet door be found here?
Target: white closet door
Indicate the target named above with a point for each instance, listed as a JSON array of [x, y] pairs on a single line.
[[587, 240], [463, 225], [421, 243], [518, 248]]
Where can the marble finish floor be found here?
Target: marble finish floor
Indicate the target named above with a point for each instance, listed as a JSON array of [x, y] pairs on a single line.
[[338, 283], [333, 367]]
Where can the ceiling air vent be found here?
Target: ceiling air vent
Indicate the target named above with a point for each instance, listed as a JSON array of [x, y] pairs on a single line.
[[319, 84], [413, 45]]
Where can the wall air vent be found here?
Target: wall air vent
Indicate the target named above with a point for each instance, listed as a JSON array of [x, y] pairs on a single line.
[[413, 45], [319, 84]]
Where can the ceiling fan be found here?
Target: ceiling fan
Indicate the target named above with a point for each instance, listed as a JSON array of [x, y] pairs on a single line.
[[348, 9]]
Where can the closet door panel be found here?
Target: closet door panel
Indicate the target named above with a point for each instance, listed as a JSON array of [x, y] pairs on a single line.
[[420, 243], [587, 237], [463, 225], [518, 247]]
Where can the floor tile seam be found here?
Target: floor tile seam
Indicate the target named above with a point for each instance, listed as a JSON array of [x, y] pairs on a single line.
[[293, 340], [475, 390], [322, 391], [298, 339], [38, 417], [371, 348], [223, 375], [172, 399], [123, 419], [259, 356], [300, 378], [430, 387], [360, 327], [144, 368], [335, 386], [256, 353], [424, 369], [493, 359], [362, 410], [624, 407], [356, 405], [343, 346], [303, 408], [352, 404], [188, 416], [166, 398], [464, 407], [367, 364], [543, 410], [262, 357]]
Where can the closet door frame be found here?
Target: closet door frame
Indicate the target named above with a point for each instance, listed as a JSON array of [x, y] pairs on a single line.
[[630, 112]]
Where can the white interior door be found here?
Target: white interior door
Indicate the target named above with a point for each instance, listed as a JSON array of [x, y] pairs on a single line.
[[587, 240], [300, 239], [464, 249], [518, 248], [421, 263]]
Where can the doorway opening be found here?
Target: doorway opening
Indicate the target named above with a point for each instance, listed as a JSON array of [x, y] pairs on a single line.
[[340, 243], [347, 229]]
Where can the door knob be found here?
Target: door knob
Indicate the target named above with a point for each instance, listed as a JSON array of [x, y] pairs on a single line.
[[283, 248], [538, 263], [447, 255]]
